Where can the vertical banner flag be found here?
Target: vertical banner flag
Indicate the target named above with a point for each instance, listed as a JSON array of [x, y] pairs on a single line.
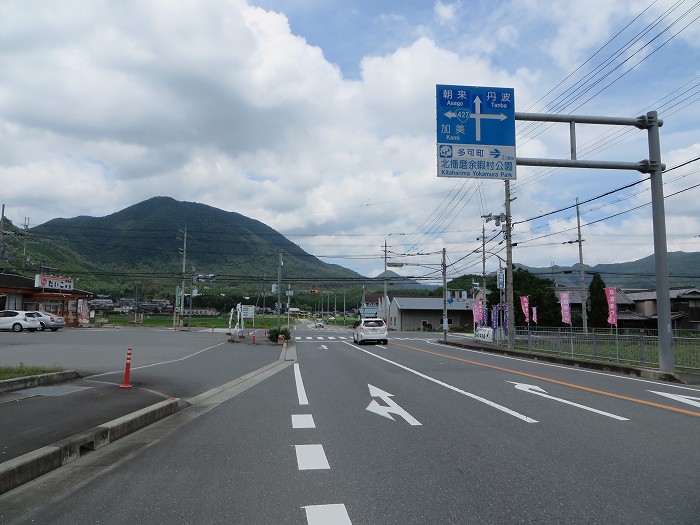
[[505, 317], [611, 296], [476, 310], [534, 314], [565, 307], [525, 305], [494, 316]]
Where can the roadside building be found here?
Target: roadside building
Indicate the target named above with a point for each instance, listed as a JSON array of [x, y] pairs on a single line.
[[425, 313], [47, 293]]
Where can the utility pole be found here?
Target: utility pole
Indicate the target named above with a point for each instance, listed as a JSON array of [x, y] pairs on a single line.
[[279, 291], [444, 295], [24, 250], [483, 255], [509, 273], [581, 278], [385, 314], [179, 315]]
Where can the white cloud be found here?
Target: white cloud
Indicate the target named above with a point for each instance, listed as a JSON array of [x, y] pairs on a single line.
[[110, 103]]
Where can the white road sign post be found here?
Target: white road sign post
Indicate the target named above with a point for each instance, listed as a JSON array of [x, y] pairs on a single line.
[[475, 132]]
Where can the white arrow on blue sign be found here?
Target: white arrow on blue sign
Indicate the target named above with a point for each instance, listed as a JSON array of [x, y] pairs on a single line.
[[475, 132]]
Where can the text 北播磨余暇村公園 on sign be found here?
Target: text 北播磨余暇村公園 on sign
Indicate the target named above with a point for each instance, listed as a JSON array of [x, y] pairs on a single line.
[[475, 132]]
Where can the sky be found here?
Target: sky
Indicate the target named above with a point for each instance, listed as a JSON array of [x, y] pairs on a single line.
[[318, 118]]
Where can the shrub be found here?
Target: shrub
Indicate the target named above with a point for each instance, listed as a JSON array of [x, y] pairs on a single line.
[[274, 333]]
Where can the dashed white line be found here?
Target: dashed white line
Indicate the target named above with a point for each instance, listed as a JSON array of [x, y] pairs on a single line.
[[303, 421], [311, 457], [301, 393], [335, 514]]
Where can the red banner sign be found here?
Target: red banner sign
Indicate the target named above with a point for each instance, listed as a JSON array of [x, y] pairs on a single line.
[[525, 305]]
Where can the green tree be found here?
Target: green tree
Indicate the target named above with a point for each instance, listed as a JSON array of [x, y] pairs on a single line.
[[598, 314]]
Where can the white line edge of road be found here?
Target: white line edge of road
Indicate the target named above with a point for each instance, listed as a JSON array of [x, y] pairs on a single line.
[[565, 367], [450, 387]]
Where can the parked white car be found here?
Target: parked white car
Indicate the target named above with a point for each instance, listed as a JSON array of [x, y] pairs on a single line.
[[374, 329], [51, 321], [319, 323], [18, 320]]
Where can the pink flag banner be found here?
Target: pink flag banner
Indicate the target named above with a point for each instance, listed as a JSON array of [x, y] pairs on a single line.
[[525, 305], [478, 312], [534, 314], [565, 307], [611, 296]]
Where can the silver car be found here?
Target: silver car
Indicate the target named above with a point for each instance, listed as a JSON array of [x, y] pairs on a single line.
[[18, 320], [51, 321], [374, 329]]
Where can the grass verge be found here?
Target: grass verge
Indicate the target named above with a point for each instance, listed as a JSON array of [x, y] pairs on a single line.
[[11, 372]]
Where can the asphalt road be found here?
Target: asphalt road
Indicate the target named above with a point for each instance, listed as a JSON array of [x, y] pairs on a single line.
[[413, 432]]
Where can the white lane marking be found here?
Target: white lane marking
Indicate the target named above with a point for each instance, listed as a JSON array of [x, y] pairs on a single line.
[[334, 514], [303, 421], [162, 362], [391, 408], [455, 389], [311, 457], [534, 389], [323, 347], [691, 400], [331, 338], [301, 393], [309, 338]]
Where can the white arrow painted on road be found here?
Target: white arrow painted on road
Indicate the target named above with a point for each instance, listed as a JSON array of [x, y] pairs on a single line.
[[392, 408], [534, 389], [323, 347], [691, 400]]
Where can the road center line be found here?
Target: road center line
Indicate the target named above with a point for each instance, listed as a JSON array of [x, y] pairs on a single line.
[[555, 381], [455, 389], [301, 393]]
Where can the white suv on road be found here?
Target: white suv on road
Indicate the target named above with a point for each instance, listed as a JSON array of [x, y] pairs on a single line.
[[373, 329]]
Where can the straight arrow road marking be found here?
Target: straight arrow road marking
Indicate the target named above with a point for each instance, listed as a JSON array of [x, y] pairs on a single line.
[[690, 400], [534, 389], [391, 406]]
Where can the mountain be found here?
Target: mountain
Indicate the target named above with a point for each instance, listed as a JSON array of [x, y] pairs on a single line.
[[682, 268], [147, 240]]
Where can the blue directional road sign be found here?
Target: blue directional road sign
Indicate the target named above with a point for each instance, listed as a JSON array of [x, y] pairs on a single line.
[[475, 132]]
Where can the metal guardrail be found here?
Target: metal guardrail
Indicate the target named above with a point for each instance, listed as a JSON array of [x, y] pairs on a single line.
[[633, 347]]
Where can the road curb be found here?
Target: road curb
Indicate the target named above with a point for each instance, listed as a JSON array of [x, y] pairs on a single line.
[[25, 468], [17, 383]]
